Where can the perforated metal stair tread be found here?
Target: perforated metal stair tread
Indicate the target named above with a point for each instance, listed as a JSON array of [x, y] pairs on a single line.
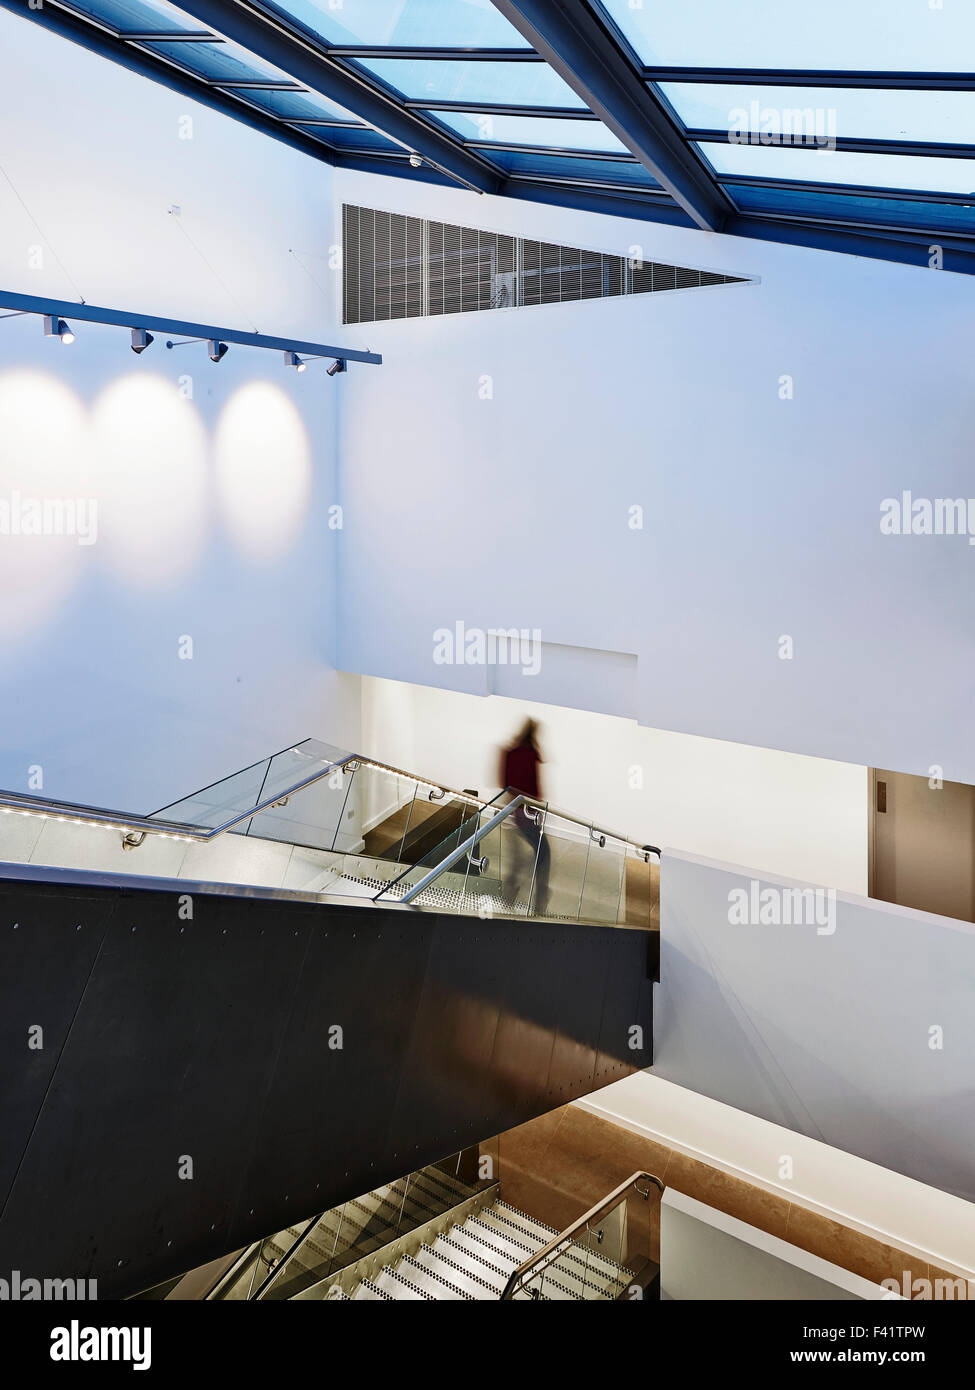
[[473, 1259]]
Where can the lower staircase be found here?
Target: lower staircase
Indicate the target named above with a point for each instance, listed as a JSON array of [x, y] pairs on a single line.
[[475, 1257]]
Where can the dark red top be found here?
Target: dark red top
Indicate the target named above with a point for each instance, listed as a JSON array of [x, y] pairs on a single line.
[[520, 769]]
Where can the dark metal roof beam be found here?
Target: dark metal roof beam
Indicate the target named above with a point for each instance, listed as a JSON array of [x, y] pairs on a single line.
[[161, 36], [573, 40], [648, 207], [572, 151], [254, 85], [490, 108], [308, 62], [878, 229], [851, 190], [926, 149], [392, 50], [820, 77], [907, 247]]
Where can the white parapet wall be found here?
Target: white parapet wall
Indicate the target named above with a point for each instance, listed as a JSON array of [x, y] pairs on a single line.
[[842, 1018], [707, 1255]]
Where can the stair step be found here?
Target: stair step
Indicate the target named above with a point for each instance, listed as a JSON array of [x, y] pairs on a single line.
[[529, 1241], [493, 1263], [530, 1223], [367, 1291], [438, 1261], [460, 1253], [390, 1281], [433, 1280], [513, 1250]]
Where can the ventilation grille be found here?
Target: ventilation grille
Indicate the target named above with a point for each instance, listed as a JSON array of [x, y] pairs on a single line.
[[399, 267]]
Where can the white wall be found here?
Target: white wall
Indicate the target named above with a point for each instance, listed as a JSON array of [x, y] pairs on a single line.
[[897, 1210], [212, 510], [707, 1255], [855, 1029], [761, 514], [800, 816]]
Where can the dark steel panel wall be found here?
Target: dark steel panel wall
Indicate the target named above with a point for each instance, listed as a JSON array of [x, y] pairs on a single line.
[[209, 1039]]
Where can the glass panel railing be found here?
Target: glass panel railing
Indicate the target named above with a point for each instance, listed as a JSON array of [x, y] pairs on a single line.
[[365, 809], [363, 1226], [563, 857], [313, 818], [604, 895], [526, 860], [230, 799]]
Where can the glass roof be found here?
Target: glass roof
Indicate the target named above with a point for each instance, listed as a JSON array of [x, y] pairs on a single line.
[[842, 166], [533, 130], [865, 208], [874, 35], [220, 62], [843, 112], [137, 16], [475, 80], [747, 86], [610, 171], [433, 23], [300, 106]]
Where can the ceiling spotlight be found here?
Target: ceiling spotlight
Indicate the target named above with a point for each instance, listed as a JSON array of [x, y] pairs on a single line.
[[416, 160], [57, 328], [291, 359], [217, 351], [141, 340], [337, 366]]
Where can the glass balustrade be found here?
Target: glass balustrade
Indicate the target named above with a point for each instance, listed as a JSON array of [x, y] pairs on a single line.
[[299, 1262], [314, 818]]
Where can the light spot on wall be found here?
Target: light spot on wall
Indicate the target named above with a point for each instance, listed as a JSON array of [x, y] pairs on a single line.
[[263, 470], [45, 496], [151, 465]]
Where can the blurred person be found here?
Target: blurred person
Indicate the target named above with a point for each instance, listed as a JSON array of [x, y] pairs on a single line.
[[520, 762]]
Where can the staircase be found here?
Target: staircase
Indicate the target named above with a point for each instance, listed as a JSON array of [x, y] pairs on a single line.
[[368, 1223], [475, 1258]]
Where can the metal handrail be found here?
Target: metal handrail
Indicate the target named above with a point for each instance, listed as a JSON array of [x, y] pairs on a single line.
[[152, 825], [594, 829], [570, 1232], [125, 822], [80, 814]]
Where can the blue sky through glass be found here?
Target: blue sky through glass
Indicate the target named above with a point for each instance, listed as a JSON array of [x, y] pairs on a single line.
[[490, 83], [936, 117], [533, 130], [841, 166], [877, 35], [220, 62], [429, 23]]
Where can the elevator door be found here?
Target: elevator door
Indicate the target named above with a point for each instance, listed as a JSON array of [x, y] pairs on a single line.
[[924, 844]]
